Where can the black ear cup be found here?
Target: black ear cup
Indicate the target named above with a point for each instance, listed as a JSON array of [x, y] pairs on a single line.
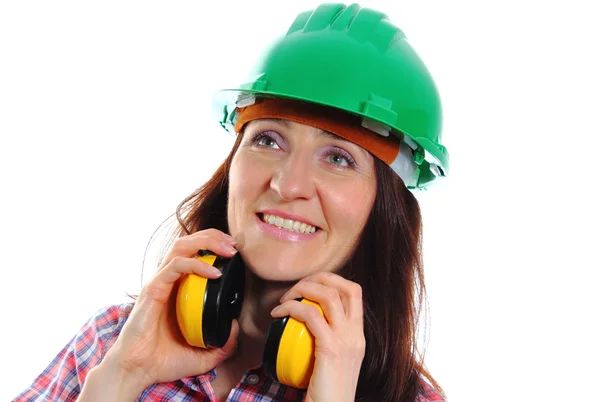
[[223, 302], [274, 335]]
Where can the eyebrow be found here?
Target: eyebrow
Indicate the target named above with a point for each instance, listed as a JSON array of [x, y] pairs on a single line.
[[325, 133]]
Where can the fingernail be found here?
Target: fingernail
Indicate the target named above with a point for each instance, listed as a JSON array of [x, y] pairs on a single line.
[[216, 271], [275, 310]]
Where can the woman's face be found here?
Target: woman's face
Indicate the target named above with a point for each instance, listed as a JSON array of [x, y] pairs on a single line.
[[299, 198]]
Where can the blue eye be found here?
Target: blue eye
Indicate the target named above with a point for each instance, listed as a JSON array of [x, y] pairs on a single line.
[[337, 160], [340, 158], [264, 139]]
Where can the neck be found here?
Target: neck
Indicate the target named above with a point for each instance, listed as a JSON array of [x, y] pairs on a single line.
[[260, 297]]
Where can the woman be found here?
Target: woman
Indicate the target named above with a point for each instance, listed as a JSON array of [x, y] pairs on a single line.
[[340, 120]]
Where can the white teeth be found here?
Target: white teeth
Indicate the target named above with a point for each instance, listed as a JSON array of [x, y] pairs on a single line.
[[279, 221], [288, 224]]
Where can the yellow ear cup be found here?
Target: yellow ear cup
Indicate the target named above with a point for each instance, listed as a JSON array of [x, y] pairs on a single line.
[[190, 305], [296, 356], [290, 351]]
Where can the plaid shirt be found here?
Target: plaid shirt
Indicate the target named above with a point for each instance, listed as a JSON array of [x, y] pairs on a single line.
[[63, 379]]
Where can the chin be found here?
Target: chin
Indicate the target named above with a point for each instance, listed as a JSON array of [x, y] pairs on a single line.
[[276, 268]]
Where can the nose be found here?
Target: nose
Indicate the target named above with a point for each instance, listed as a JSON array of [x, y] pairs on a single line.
[[293, 178]]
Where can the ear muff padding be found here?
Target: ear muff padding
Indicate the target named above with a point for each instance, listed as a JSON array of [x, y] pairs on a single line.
[[274, 335], [289, 354], [223, 302]]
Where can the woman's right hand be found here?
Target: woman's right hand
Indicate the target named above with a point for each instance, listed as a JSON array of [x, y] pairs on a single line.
[[150, 348]]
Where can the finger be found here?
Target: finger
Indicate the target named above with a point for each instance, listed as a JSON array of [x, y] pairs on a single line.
[[310, 315], [350, 292], [182, 265], [215, 233], [161, 286], [327, 297], [204, 239], [210, 239]]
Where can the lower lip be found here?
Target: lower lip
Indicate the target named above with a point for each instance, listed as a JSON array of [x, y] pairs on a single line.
[[283, 234]]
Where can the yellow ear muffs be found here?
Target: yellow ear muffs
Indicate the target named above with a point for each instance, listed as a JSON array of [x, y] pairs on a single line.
[[206, 307], [289, 355]]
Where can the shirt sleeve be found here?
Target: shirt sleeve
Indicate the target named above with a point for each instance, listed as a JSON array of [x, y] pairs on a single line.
[[63, 379], [428, 394]]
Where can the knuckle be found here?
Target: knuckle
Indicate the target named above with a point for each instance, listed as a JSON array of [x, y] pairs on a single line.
[[326, 275], [212, 233], [356, 290], [331, 294], [205, 232], [156, 291], [177, 261], [361, 343], [179, 243], [313, 313], [205, 239]]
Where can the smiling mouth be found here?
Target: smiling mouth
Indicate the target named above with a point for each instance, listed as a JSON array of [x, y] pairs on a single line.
[[287, 224]]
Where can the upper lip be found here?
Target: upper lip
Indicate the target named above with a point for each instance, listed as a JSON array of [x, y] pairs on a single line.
[[287, 215]]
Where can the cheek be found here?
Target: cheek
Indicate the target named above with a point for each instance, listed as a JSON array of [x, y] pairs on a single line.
[[235, 194], [234, 174], [247, 179], [349, 207]]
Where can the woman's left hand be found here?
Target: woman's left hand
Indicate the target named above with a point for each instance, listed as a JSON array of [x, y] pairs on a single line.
[[339, 336]]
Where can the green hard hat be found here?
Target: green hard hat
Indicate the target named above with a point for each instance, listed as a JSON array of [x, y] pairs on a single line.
[[356, 60]]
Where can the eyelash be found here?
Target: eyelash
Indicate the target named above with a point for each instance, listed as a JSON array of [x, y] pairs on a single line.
[[260, 135], [331, 152], [340, 152]]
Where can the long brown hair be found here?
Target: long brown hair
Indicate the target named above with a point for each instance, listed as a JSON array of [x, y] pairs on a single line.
[[387, 264]]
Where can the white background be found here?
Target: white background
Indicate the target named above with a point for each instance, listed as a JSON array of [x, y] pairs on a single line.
[[105, 125]]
